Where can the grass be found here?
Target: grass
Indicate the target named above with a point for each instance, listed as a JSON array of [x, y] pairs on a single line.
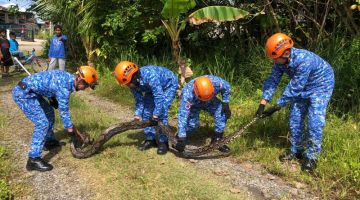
[[337, 175], [8, 188], [121, 168], [5, 167]]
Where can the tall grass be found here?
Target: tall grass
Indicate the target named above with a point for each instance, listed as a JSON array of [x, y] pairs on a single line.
[[5, 191], [339, 165], [344, 56], [122, 166]]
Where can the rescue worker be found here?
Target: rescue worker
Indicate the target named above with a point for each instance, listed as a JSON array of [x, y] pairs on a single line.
[[56, 85], [154, 89], [309, 92], [200, 94]]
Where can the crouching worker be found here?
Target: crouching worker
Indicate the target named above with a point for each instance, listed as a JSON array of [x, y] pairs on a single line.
[[200, 94], [154, 89], [308, 92], [56, 85]]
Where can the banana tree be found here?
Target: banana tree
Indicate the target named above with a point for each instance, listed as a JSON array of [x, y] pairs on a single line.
[[172, 13]]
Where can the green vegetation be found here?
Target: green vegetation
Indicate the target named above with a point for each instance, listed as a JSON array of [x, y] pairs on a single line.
[[339, 164], [133, 30], [5, 191], [5, 167], [121, 167]]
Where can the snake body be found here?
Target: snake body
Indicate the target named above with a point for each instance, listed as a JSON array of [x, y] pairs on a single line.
[[132, 125], [105, 136]]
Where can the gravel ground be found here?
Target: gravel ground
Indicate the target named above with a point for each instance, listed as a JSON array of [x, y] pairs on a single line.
[[62, 182], [246, 176]]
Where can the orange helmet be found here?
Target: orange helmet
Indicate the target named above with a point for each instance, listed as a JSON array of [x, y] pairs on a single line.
[[88, 74], [124, 72], [277, 44], [203, 88]]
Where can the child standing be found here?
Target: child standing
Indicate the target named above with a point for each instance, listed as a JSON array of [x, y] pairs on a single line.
[[57, 49], [14, 46]]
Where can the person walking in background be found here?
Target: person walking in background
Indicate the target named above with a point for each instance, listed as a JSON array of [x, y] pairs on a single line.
[[309, 92], [5, 56], [57, 49]]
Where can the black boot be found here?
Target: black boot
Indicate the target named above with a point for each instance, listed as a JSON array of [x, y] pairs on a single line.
[[147, 144], [163, 148], [309, 165], [38, 164], [52, 144], [290, 156], [217, 137]]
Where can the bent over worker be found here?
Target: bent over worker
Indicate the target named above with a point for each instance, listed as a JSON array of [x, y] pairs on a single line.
[[154, 89], [56, 85], [200, 94], [308, 93]]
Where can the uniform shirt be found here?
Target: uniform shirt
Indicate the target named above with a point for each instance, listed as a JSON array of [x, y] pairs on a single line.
[[154, 80], [54, 83], [57, 47], [190, 101], [309, 74]]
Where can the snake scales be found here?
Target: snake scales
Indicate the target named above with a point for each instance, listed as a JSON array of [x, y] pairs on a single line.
[[106, 135]]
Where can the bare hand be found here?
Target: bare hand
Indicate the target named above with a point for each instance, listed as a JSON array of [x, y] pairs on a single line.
[[137, 118]]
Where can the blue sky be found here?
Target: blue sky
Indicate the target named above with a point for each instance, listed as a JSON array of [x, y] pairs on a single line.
[[21, 3]]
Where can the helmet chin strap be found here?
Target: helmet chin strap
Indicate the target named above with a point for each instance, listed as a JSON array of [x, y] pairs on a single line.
[[287, 60], [136, 79], [78, 81]]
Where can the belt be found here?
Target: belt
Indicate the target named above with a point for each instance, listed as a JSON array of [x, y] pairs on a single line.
[[22, 85]]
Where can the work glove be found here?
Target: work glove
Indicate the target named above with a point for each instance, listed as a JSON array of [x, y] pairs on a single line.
[[270, 111], [260, 110], [53, 102], [154, 121], [181, 143], [226, 109], [62, 39], [73, 138], [79, 138]]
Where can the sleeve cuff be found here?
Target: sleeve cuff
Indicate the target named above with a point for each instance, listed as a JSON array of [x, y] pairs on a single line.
[[68, 126], [281, 102], [182, 135]]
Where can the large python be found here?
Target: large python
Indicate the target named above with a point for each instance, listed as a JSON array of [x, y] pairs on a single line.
[[80, 152]]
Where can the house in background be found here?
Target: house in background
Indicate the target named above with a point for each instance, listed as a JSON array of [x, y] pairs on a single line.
[[23, 23]]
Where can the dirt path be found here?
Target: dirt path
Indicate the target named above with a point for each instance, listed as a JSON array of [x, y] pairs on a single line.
[[245, 176], [71, 180], [63, 182]]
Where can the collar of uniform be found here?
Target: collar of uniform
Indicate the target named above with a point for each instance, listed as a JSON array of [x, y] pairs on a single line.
[[141, 78], [72, 83], [293, 55]]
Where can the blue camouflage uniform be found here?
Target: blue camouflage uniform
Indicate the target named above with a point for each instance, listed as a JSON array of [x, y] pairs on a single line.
[[55, 83], [190, 107], [154, 96], [309, 91]]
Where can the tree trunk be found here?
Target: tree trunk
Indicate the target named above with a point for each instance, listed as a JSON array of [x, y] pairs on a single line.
[[273, 14], [351, 19], [343, 18]]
